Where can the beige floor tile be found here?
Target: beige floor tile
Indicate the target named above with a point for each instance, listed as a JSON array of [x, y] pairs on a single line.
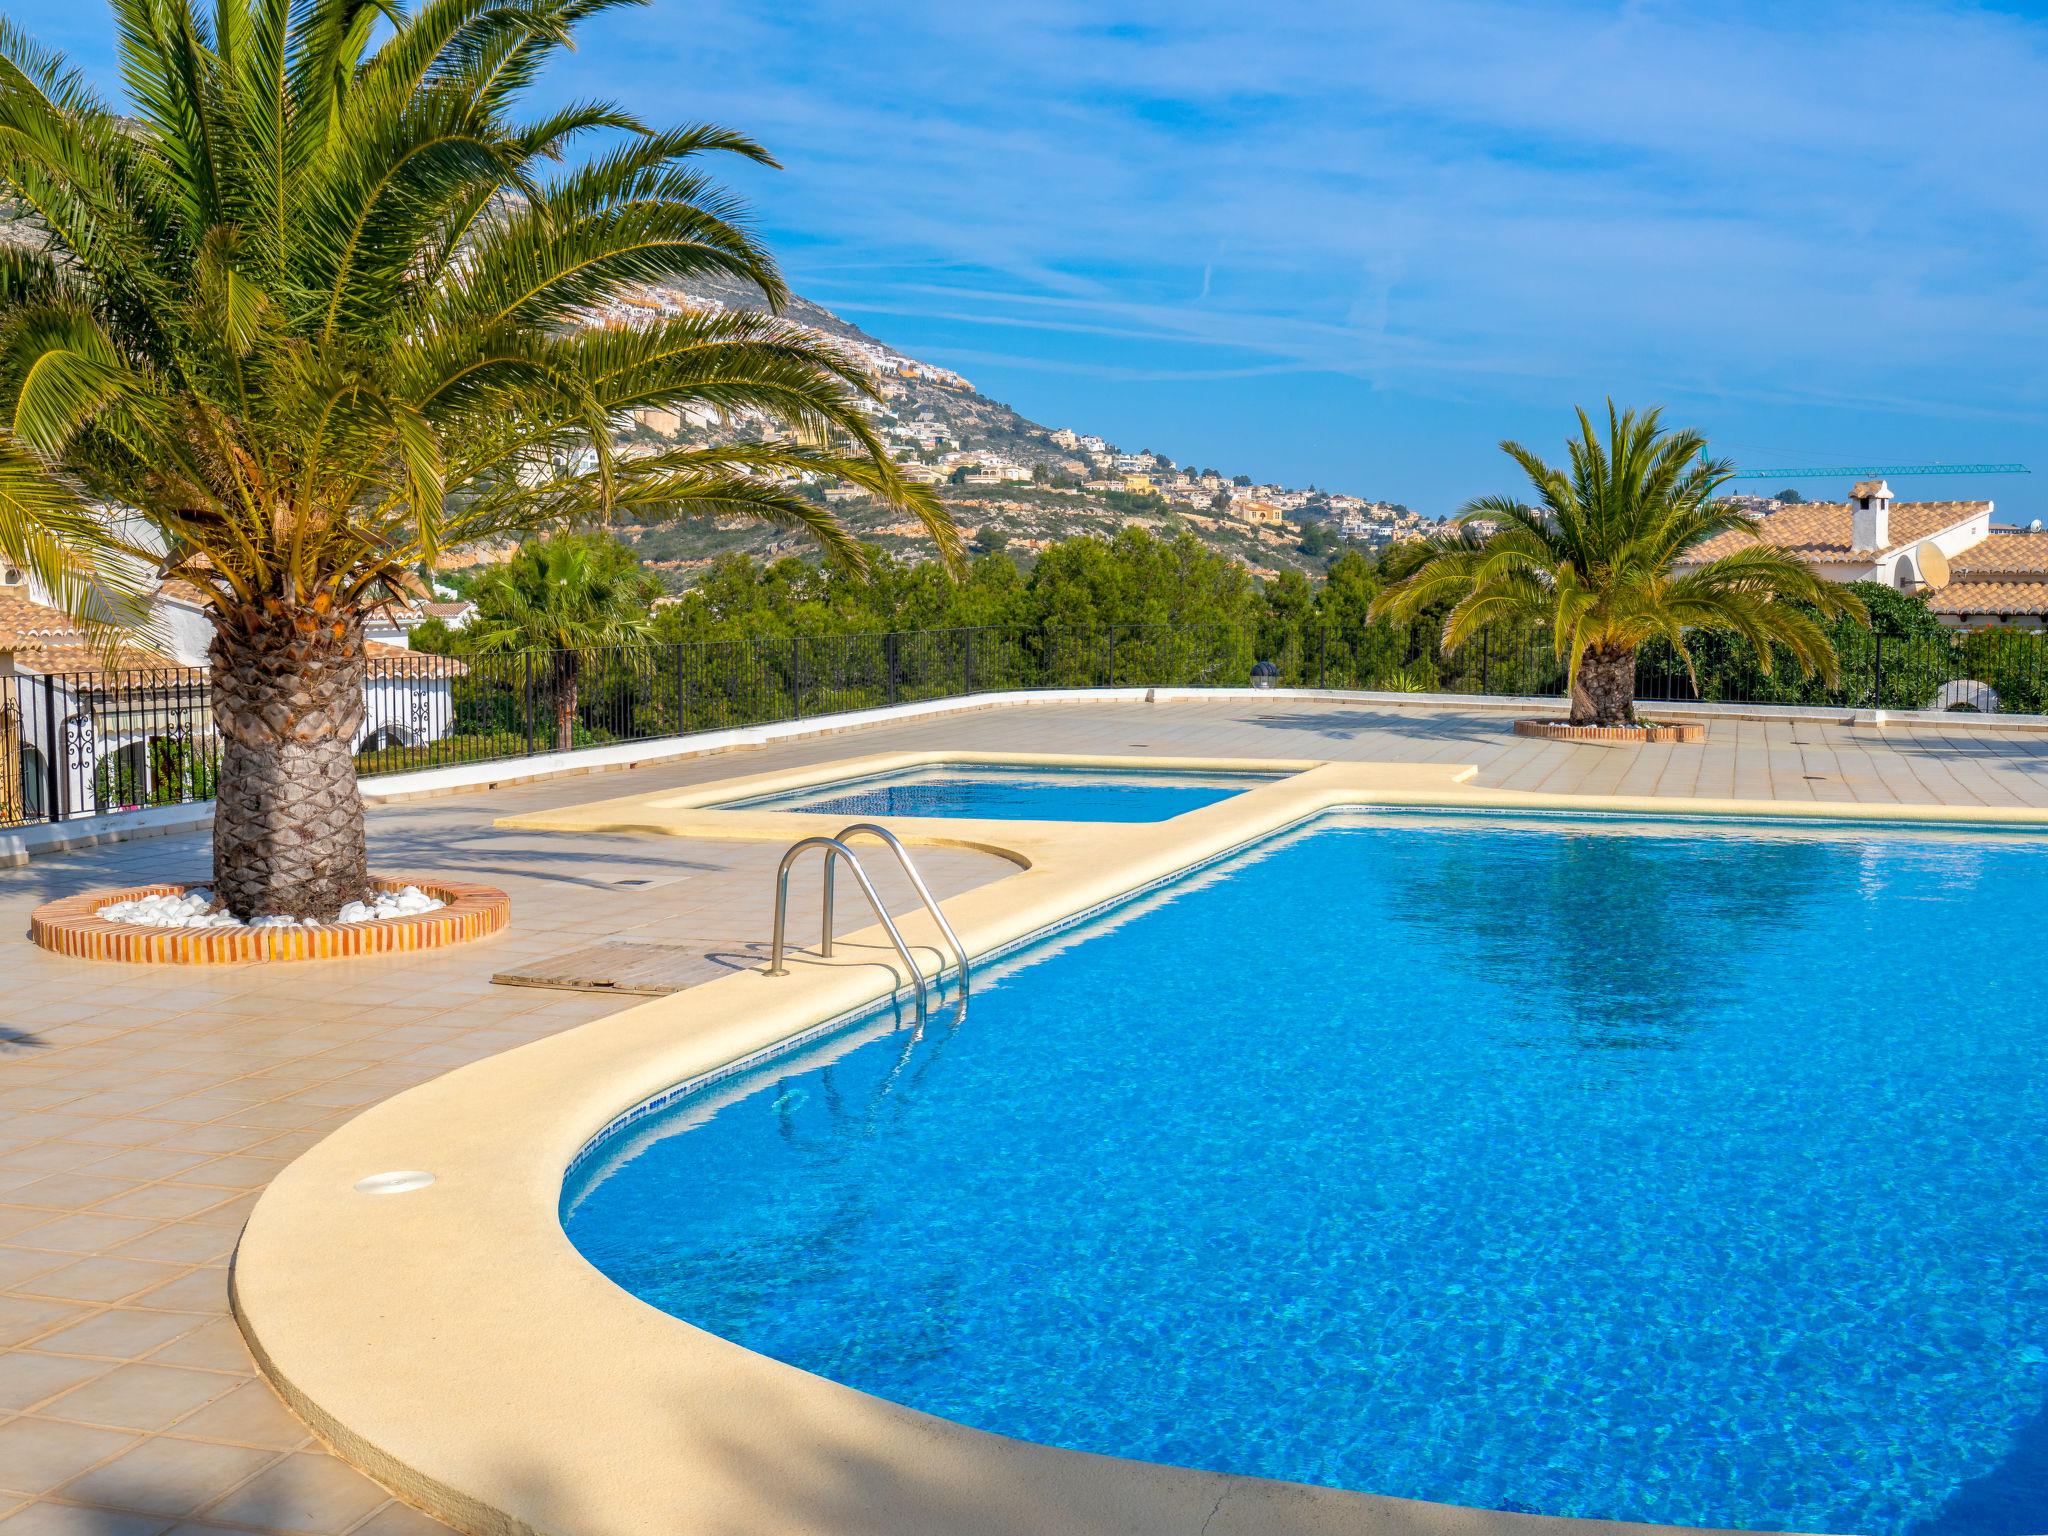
[[199, 1290], [216, 1347], [122, 1333], [54, 1156], [13, 1222], [304, 1492], [212, 1138], [179, 1243], [28, 1378], [250, 1414], [86, 1232], [23, 1318], [124, 1133], [46, 1518], [163, 1201], [20, 1265], [164, 1476], [38, 1454], [245, 1172], [141, 1397], [101, 1278]]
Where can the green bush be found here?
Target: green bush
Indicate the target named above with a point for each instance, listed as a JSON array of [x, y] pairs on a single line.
[[436, 754]]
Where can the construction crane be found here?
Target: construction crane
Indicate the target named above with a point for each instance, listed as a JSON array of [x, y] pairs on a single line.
[[1881, 471]]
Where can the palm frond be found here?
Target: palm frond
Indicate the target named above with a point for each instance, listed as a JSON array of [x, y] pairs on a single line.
[[320, 301]]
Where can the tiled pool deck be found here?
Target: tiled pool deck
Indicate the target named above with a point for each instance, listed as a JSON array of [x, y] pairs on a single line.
[[146, 1105]]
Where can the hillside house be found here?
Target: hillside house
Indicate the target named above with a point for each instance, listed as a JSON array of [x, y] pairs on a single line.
[[1973, 574]]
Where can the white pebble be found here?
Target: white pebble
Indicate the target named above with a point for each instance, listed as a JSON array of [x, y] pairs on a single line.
[[189, 910]]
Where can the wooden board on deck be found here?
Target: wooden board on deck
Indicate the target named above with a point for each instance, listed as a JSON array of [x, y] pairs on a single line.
[[614, 965]]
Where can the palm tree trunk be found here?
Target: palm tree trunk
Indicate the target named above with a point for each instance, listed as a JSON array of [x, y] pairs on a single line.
[[565, 700], [288, 705], [1605, 691]]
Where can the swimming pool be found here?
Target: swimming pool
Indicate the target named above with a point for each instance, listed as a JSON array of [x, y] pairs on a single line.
[[1593, 1167], [1008, 792]]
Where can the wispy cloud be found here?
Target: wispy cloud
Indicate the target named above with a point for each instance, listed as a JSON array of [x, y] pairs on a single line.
[[1380, 236]]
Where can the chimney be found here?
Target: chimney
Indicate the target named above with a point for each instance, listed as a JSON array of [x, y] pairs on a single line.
[[1870, 515]]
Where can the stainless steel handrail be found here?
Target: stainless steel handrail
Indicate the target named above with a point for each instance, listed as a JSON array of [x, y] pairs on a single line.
[[846, 835], [834, 850]]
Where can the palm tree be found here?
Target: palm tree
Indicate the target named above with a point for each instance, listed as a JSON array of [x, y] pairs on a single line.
[[556, 599], [321, 304], [1611, 556]]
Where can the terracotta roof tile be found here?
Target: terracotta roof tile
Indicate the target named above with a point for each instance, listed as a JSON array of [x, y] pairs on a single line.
[[387, 659], [182, 591], [1990, 597], [1820, 530], [2003, 554], [45, 640]]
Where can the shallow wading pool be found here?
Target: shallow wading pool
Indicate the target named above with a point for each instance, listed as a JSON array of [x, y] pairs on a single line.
[[1682, 1173], [1000, 792]]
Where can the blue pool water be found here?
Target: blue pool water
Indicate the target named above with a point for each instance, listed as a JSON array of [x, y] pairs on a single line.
[[1590, 1168], [996, 792]]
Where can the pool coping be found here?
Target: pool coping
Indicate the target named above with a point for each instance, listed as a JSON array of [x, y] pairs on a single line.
[[452, 1342]]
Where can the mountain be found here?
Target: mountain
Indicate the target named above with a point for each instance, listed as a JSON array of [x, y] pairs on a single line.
[[1011, 482]]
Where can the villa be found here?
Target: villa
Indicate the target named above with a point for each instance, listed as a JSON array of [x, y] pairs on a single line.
[[79, 737], [1975, 574]]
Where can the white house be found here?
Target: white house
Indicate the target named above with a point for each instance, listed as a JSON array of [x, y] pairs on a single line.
[[79, 735], [1973, 574], [454, 612]]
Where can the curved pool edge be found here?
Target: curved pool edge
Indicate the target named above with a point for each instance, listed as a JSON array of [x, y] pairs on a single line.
[[452, 1342]]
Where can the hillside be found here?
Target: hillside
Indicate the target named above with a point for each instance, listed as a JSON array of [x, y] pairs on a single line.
[[1011, 482]]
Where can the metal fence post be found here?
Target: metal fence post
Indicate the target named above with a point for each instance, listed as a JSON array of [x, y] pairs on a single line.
[[526, 687], [796, 677], [1486, 661], [1112, 655], [893, 657], [1877, 669], [967, 660], [682, 695], [52, 779], [1323, 656]]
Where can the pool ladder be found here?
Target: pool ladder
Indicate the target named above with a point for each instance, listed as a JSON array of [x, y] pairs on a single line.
[[836, 848]]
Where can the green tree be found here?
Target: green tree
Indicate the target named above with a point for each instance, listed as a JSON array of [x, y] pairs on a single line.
[[312, 305], [1790, 498], [1138, 578], [433, 636], [1601, 562], [556, 600], [1317, 541]]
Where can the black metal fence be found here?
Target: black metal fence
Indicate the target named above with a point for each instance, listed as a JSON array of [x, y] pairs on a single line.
[[78, 744]]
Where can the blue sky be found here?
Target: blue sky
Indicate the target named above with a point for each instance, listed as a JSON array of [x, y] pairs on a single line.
[[1359, 244]]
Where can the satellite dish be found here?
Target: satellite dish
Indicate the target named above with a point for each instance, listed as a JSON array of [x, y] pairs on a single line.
[[1933, 565]]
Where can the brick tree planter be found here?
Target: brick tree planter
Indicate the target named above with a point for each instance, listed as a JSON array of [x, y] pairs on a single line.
[[71, 926], [1560, 730]]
